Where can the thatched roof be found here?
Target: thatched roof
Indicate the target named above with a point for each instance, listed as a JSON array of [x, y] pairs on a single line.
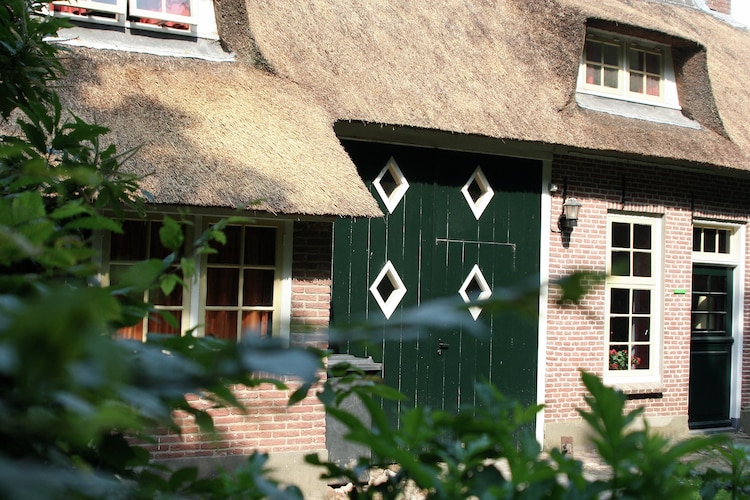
[[217, 134], [262, 128], [507, 69]]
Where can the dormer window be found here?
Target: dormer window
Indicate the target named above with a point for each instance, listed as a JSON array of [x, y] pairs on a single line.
[[626, 68], [175, 16]]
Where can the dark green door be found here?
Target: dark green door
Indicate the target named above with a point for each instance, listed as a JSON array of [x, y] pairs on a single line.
[[456, 225], [710, 347]]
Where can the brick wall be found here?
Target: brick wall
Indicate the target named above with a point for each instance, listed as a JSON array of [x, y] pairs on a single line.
[[723, 6], [576, 334], [268, 424], [311, 275]]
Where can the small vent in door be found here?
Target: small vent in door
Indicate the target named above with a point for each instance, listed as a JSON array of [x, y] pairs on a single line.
[[475, 288], [478, 192], [388, 289], [391, 185]]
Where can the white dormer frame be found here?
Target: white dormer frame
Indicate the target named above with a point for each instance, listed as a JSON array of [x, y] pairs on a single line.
[[667, 86], [201, 22]]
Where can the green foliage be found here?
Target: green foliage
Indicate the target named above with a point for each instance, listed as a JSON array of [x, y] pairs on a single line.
[[733, 478], [72, 398], [487, 451]]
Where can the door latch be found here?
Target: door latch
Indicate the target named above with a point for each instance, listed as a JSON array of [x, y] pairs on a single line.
[[442, 346]]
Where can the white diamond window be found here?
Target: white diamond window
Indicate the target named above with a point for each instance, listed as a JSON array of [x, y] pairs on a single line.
[[391, 185], [388, 289], [478, 192], [475, 288]]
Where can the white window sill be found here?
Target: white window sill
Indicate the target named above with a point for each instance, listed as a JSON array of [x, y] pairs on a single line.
[[638, 390], [639, 111]]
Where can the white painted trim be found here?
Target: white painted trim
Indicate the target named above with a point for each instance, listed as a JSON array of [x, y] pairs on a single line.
[[669, 97], [388, 305], [738, 324], [285, 303], [194, 307], [655, 283], [478, 206], [544, 255]]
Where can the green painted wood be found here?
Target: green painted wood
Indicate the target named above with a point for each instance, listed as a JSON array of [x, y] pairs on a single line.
[[709, 395], [434, 239]]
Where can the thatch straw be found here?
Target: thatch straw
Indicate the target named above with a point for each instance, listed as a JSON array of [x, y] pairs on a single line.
[[506, 69], [217, 134]]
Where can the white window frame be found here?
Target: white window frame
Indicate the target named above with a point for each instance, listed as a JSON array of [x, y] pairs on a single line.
[[654, 284], [201, 22], [668, 86], [735, 244], [194, 293]]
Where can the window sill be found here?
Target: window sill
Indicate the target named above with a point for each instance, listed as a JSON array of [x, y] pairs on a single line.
[[639, 390], [639, 111]]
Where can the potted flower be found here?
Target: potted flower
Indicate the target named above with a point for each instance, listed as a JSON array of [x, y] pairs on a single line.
[[618, 360]]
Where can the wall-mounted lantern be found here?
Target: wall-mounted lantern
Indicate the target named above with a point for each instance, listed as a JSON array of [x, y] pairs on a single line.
[[569, 217]]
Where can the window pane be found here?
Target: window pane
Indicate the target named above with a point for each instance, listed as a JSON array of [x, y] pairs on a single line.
[[636, 60], [258, 288], [700, 283], [718, 303], [697, 239], [157, 250], [641, 302], [724, 241], [717, 284], [157, 324], [641, 357], [641, 264], [700, 321], [611, 55], [640, 329], [593, 74], [157, 297], [618, 329], [593, 51], [131, 245], [620, 235], [652, 85], [134, 332], [621, 263], [611, 77], [257, 323], [709, 240], [221, 324], [619, 301], [653, 63], [618, 357], [229, 253], [636, 83], [180, 7], [260, 246], [222, 287], [700, 302], [642, 236]]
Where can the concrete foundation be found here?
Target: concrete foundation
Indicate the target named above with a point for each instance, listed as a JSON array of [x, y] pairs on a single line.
[[576, 434], [286, 468]]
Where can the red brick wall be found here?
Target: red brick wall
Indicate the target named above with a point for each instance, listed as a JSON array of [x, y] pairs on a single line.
[[268, 424], [723, 6], [575, 335], [311, 275]]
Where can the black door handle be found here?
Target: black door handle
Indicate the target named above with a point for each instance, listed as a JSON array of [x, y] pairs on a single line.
[[442, 346]]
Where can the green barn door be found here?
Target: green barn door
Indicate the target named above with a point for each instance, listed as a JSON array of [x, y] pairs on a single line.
[[710, 347], [456, 225]]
